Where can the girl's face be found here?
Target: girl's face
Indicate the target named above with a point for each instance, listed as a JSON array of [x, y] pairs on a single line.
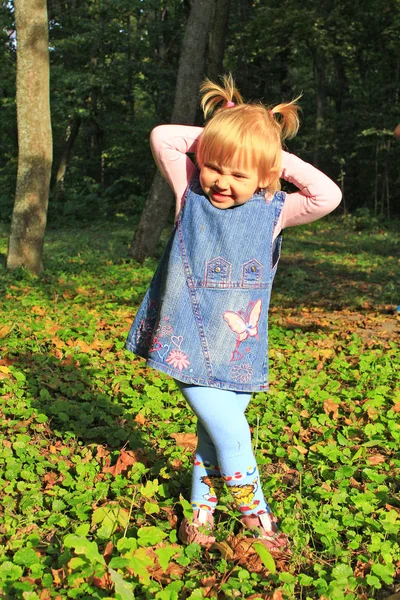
[[227, 186]]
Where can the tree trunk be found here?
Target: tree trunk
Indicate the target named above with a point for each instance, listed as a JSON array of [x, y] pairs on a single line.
[[190, 72], [216, 39], [129, 71], [29, 217], [320, 104], [72, 133]]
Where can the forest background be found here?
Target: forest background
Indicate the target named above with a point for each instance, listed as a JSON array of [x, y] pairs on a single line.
[[113, 77], [96, 449]]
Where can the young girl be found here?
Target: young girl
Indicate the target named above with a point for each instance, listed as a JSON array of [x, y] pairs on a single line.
[[204, 319]]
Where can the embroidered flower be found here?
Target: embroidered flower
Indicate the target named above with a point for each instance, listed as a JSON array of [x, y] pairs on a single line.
[[178, 359], [165, 330], [156, 345], [242, 373], [144, 333]]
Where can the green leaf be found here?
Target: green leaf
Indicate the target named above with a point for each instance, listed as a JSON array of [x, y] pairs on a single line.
[[26, 557], [124, 589], [286, 577], [341, 439], [373, 581], [110, 516], [82, 530], [342, 573], [83, 546], [391, 522], [150, 536], [305, 580], [198, 594], [164, 556], [175, 586], [150, 489], [150, 508], [139, 563], [187, 507], [127, 544], [384, 572], [10, 572], [266, 557], [118, 562], [76, 562]]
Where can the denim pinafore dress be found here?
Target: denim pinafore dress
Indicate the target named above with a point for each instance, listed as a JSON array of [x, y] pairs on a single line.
[[204, 318]]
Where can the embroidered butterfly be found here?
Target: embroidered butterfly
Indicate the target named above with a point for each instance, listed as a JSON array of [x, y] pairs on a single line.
[[244, 324]]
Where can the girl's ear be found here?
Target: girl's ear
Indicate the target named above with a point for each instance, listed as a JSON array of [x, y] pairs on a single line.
[[265, 181]]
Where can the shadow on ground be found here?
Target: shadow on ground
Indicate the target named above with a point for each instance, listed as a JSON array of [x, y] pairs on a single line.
[[72, 399]]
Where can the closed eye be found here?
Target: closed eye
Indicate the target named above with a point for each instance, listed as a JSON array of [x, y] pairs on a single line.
[[212, 167]]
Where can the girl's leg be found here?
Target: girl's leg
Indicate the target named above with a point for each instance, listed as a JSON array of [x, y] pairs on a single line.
[[224, 427], [207, 478], [224, 448]]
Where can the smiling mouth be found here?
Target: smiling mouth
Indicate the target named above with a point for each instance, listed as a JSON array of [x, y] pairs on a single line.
[[220, 197]]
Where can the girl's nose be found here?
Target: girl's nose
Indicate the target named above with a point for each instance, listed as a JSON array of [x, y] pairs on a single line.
[[221, 183]]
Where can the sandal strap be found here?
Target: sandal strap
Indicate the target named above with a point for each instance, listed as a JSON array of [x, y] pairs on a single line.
[[273, 539], [189, 531]]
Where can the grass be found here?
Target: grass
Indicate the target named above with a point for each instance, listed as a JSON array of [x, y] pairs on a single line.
[[95, 449]]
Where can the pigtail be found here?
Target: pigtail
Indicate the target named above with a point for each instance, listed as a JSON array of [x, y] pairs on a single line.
[[288, 118], [214, 95]]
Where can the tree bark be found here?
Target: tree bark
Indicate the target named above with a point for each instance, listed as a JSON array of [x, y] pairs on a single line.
[[190, 72], [217, 38], [29, 217], [72, 132], [320, 94]]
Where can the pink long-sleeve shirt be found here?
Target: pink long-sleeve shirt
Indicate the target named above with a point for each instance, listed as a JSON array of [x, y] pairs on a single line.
[[316, 197]]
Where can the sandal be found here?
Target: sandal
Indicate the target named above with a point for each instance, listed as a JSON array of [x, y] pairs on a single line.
[[198, 530], [266, 531]]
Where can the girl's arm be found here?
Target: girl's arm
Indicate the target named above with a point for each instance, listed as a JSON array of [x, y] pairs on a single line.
[[169, 144], [317, 196]]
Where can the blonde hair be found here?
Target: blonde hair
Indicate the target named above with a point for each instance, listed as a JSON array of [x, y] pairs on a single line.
[[248, 135]]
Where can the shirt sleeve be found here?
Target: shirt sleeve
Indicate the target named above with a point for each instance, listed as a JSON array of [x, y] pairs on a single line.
[[170, 145], [317, 196]]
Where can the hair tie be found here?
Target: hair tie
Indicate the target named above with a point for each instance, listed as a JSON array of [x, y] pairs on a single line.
[[229, 104], [271, 112]]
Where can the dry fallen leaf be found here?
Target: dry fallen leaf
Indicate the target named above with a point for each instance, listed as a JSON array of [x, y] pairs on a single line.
[[376, 459], [331, 407], [50, 478], [104, 582], [140, 419], [277, 595], [4, 330], [301, 449], [58, 576], [362, 569], [355, 484], [187, 440], [171, 515], [176, 464], [108, 551], [101, 452], [126, 459], [225, 550]]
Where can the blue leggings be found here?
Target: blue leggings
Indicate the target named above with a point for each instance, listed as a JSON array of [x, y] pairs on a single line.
[[224, 453]]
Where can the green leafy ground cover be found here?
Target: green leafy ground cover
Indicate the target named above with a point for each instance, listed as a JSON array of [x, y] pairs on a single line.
[[95, 449]]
